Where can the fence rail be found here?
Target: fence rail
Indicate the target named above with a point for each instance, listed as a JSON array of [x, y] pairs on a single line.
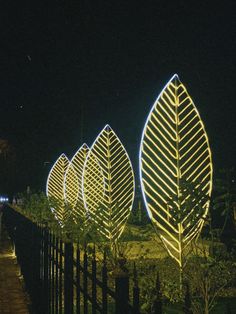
[[60, 276]]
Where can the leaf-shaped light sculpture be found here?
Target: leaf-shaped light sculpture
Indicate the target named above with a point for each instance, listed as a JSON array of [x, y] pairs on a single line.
[[108, 201], [175, 169], [73, 183], [55, 187]]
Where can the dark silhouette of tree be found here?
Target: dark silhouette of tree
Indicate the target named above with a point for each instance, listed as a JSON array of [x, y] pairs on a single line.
[[7, 167], [187, 300], [225, 202]]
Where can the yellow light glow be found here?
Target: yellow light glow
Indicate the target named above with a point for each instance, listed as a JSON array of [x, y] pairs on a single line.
[[108, 184], [73, 184], [55, 187], [175, 149]]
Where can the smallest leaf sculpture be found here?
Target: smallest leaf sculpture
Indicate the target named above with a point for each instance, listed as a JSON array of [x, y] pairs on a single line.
[[55, 188]]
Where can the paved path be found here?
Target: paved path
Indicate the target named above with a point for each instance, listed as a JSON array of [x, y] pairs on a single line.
[[13, 300]]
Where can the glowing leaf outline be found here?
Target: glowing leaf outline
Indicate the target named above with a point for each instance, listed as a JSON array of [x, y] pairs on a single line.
[[73, 183], [109, 208], [55, 187], [168, 154]]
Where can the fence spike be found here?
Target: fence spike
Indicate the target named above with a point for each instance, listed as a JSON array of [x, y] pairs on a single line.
[[85, 247], [135, 291], [135, 279], [158, 300], [94, 251], [104, 257]]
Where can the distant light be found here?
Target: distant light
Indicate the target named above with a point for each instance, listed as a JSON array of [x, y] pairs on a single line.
[[3, 199]]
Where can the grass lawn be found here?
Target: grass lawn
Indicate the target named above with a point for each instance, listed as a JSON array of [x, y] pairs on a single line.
[[220, 307]]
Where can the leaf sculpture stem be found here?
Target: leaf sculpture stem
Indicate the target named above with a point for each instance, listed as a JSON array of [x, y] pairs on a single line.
[[180, 227]]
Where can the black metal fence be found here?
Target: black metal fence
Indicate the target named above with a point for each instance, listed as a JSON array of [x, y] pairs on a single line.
[[60, 276]]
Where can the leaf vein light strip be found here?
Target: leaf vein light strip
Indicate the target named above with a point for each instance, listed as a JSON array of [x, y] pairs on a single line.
[[165, 94], [172, 92], [190, 104], [201, 172], [119, 194], [124, 182], [192, 231], [162, 143], [197, 168], [156, 202], [184, 100], [187, 124], [117, 152], [156, 165], [166, 222], [162, 134], [191, 130], [170, 161], [191, 139], [120, 168], [125, 198], [173, 137], [193, 154], [183, 91], [154, 191], [163, 109], [158, 115], [158, 177], [193, 145], [170, 244], [190, 167], [156, 183]]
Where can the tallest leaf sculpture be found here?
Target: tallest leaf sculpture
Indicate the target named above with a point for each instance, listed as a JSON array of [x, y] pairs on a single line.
[[176, 169]]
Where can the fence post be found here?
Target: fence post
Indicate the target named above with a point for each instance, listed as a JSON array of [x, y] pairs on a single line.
[[94, 284], [85, 279], [36, 280], [104, 285], [60, 293], [41, 254], [135, 292], [78, 280], [57, 274], [45, 273], [187, 300], [53, 273], [158, 300], [122, 290], [68, 278], [49, 272]]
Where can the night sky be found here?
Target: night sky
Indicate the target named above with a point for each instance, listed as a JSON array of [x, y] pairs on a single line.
[[67, 68]]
